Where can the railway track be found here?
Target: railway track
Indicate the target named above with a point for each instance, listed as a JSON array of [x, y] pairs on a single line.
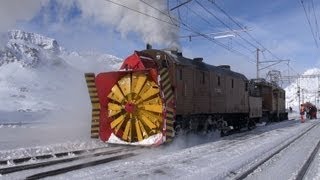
[[78, 166], [302, 171], [47, 156], [100, 155]]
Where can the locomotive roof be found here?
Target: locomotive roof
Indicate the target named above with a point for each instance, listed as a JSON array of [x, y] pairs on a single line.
[[179, 59], [206, 67]]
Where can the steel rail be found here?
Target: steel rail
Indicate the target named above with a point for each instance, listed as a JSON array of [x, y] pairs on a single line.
[[252, 169]]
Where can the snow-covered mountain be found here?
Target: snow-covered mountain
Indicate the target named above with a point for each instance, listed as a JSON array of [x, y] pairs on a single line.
[[309, 88], [37, 75]]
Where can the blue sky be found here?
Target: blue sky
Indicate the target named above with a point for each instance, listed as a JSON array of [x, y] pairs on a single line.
[[280, 26]]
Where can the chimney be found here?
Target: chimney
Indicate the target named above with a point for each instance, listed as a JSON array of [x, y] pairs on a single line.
[[148, 46]]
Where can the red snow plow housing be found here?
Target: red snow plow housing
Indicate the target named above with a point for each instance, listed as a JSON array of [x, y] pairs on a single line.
[[129, 106]]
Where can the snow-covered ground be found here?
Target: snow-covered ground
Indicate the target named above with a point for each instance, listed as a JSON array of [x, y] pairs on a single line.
[[45, 107], [309, 88], [43, 94]]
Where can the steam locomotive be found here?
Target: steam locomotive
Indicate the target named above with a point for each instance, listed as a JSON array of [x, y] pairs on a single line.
[[157, 94]]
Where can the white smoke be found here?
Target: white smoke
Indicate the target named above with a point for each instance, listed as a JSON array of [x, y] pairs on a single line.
[[102, 12], [125, 21], [13, 11]]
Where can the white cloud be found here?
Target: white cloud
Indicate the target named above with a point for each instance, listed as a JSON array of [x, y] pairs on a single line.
[[126, 21], [12, 11]]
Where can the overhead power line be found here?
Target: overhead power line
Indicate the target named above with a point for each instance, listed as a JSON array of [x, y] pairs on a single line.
[[231, 31], [316, 19], [148, 15], [186, 27], [240, 26], [308, 19], [212, 14]]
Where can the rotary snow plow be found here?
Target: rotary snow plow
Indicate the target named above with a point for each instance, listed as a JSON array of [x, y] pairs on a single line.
[[134, 105]]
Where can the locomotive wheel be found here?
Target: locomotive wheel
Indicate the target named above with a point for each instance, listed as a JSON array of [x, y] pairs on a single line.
[[135, 108]]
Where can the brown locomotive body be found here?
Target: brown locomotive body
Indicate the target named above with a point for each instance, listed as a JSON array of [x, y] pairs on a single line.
[[215, 96]]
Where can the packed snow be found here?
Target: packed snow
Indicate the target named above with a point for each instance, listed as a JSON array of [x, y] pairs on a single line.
[[45, 108]]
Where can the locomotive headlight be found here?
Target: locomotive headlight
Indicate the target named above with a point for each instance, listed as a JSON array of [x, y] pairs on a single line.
[[158, 57]]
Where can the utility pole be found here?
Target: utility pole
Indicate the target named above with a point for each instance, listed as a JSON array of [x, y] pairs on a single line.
[[258, 63]]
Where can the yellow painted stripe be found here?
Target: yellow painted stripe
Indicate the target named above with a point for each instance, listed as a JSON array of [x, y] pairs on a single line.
[[169, 140], [166, 82], [90, 78], [170, 97], [163, 70], [94, 99], [95, 122], [96, 113], [171, 134], [96, 106], [91, 83], [169, 109], [169, 122], [93, 94], [165, 76], [92, 90], [95, 117], [170, 128], [169, 115], [166, 89], [94, 129]]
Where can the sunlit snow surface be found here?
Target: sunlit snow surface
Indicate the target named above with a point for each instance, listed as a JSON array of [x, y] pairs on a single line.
[[199, 156]]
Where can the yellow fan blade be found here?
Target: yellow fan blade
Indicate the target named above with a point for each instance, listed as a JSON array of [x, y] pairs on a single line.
[[138, 81], [138, 130], [148, 90], [125, 85], [126, 132], [147, 121], [154, 108], [113, 106], [113, 113], [116, 94]]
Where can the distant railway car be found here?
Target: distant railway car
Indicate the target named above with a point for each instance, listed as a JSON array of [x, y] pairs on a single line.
[[273, 100], [156, 94]]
